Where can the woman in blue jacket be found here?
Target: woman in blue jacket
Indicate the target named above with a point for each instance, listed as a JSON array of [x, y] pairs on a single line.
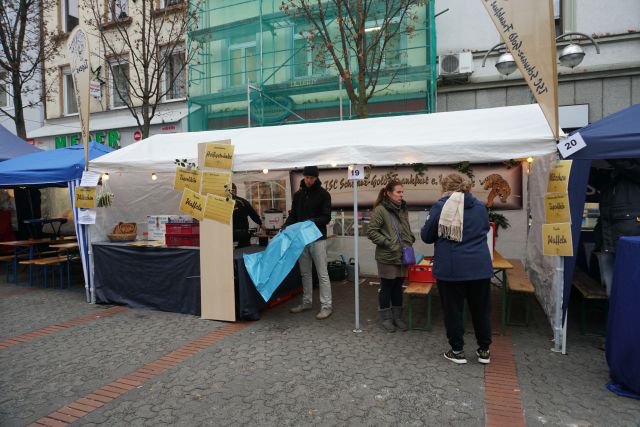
[[458, 225]]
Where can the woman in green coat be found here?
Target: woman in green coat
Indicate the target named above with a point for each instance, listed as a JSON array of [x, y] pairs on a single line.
[[389, 230]]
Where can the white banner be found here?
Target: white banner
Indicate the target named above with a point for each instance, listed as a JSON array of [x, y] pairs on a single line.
[[78, 51]]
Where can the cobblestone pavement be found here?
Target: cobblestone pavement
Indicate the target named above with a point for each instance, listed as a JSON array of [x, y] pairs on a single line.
[[283, 370]]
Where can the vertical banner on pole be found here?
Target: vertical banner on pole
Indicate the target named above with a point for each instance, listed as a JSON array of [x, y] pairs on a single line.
[[78, 51], [355, 174]]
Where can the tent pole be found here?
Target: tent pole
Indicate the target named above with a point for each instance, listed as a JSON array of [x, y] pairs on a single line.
[[356, 278], [558, 283]]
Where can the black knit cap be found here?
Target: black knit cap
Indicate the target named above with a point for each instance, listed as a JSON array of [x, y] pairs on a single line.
[[311, 171]]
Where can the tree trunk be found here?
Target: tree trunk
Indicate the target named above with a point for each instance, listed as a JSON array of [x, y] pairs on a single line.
[[362, 109], [146, 121], [21, 129]]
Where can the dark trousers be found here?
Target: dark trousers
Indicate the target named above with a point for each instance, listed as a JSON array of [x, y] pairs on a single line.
[[390, 292], [478, 295]]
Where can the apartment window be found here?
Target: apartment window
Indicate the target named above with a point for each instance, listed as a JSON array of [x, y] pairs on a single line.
[[175, 77], [557, 16], [4, 95], [69, 102], [243, 63], [119, 93], [167, 3], [393, 47], [119, 9], [69, 14], [308, 57]]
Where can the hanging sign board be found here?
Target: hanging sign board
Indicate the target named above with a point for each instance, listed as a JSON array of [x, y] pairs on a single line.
[[218, 156], [85, 197], [556, 239], [187, 178], [570, 145], [559, 177], [355, 172], [218, 183], [192, 203], [557, 208], [219, 208]]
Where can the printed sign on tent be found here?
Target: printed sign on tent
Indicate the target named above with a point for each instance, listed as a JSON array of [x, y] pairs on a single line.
[[219, 208], [556, 239], [559, 177], [192, 203], [218, 156], [85, 197], [557, 207], [218, 183], [187, 178]]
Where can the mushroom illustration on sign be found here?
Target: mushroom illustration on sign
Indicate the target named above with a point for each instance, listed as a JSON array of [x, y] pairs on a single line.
[[499, 187]]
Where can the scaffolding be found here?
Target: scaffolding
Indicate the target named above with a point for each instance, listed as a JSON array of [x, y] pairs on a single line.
[[256, 67]]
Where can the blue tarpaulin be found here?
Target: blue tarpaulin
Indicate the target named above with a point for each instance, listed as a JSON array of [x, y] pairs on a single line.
[[12, 146], [269, 268]]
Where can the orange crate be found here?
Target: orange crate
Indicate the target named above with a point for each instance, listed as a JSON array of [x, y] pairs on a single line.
[[420, 273], [182, 240], [182, 228]]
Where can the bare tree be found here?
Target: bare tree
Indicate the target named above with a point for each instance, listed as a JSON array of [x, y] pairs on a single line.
[[339, 27], [144, 51], [23, 52]]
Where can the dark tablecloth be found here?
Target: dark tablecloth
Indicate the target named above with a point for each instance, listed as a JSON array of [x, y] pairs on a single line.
[[623, 343]]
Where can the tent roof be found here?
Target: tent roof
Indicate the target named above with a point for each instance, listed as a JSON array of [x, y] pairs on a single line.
[[49, 166], [485, 135], [12, 146], [616, 136]]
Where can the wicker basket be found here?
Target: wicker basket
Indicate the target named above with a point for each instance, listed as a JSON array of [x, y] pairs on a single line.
[[124, 232]]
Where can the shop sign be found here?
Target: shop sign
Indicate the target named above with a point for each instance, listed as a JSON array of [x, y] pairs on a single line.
[[95, 90], [271, 109], [110, 138]]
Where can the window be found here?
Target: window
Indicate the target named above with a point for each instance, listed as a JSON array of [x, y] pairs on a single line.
[[167, 3], [393, 47], [267, 195], [557, 16], [175, 77], [308, 56], [69, 15], [119, 93], [118, 9], [242, 63], [4, 95], [69, 101]]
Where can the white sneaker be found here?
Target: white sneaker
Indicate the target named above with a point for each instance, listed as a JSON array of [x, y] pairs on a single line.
[[300, 308], [324, 313]]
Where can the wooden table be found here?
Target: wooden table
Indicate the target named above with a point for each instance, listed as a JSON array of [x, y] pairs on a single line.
[[500, 267], [28, 247]]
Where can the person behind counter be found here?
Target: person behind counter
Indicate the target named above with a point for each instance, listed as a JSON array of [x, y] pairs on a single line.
[[389, 230], [241, 211], [458, 225], [313, 203]]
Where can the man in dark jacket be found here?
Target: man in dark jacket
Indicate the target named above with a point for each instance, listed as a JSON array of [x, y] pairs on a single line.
[[313, 203], [241, 211]]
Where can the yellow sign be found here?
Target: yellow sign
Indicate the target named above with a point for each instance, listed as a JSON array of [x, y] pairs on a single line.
[[218, 156], [559, 177], [219, 208], [218, 183], [192, 203], [85, 197], [556, 239], [187, 178], [557, 207]]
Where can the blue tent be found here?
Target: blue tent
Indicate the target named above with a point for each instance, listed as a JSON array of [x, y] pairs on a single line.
[[614, 137], [49, 167], [12, 146]]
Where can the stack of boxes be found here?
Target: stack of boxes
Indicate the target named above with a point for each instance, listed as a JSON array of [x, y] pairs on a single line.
[[159, 228]]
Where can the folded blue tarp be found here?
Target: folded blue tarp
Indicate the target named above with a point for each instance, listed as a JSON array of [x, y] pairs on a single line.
[[269, 268]]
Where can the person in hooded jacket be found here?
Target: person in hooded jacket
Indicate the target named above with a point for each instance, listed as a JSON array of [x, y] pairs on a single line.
[[389, 230], [458, 225], [313, 203]]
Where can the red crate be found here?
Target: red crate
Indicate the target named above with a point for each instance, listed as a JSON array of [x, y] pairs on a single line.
[[421, 273], [182, 228], [182, 240]]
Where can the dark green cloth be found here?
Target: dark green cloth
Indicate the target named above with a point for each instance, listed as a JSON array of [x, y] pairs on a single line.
[[382, 233]]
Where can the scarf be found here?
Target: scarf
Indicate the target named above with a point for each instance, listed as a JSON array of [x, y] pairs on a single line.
[[452, 218]]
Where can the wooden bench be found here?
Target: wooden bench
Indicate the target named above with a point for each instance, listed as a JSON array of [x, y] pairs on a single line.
[[590, 290], [419, 285], [518, 284], [55, 261]]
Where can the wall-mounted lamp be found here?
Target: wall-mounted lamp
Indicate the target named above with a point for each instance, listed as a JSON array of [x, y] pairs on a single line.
[[334, 164], [529, 160], [105, 176], [154, 176], [265, 171]]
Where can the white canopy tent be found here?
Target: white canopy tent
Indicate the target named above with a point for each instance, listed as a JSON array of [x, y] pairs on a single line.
[[476, 136]]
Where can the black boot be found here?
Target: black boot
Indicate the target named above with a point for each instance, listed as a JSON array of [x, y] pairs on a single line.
[[387, 319], [397, 319]]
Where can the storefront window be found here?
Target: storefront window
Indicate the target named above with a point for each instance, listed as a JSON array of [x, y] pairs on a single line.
[[267, 195]]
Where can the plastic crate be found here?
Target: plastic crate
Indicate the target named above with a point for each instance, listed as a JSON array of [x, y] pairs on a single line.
[[182, 228], [182, 239], [421, 273]]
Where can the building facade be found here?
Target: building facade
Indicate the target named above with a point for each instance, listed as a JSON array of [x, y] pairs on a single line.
[[116, 80]]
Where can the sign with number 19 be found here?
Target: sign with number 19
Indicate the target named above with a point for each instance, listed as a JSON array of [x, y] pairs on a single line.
[[355, 172]]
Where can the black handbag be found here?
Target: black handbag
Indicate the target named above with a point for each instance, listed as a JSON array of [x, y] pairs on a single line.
[[337, 270]]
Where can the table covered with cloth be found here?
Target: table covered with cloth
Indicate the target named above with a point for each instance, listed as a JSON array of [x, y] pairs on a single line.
[[623, 345]]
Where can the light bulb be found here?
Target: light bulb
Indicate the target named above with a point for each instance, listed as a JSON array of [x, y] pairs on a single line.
[[350, 167], [154, 176], [265, 171], [105, 176], [334, 164], [529, 160]]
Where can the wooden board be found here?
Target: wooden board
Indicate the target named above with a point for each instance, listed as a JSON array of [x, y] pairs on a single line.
[[518, 278], [588, 287], [418, 288]]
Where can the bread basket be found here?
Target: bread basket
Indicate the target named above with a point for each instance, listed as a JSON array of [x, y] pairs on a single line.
[[124, 232]]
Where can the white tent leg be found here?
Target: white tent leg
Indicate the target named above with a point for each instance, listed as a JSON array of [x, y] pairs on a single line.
[[558, 282], [356, 278]]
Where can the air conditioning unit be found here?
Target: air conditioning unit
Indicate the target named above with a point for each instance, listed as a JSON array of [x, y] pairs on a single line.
[[455, 64]]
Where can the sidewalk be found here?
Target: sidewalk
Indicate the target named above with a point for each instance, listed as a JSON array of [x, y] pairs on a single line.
[[96, 365]]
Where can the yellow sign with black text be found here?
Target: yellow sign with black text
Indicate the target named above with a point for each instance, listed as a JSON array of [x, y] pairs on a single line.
[[192, 203], [219, 208], [218, 183], [556, 239], [218, 156], [187, 178], [556, 207], [559, 177], [85, 197]]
